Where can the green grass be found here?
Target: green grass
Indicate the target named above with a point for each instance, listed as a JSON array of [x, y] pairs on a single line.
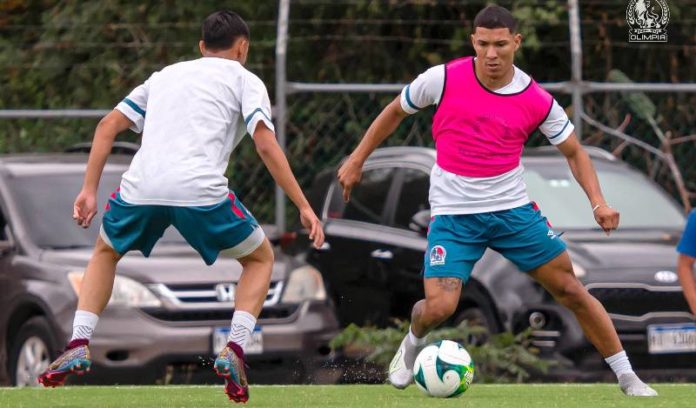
[[361, 396]]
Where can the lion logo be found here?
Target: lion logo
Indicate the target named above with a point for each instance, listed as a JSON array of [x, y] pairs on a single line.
[[647, 20]]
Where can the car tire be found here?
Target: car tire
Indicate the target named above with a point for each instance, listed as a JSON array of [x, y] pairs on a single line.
[[477, 316], [31, 352]]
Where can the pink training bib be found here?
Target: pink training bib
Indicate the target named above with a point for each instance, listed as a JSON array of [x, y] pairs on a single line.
[[479, 133]]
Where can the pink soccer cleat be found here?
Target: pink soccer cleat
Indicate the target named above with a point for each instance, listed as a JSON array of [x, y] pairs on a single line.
[[75, 360], [231, 365]]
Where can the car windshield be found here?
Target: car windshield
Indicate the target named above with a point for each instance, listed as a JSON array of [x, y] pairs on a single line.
[[564, 203], [45, 203]]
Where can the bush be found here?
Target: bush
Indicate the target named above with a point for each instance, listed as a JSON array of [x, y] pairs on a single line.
[[503, 357]]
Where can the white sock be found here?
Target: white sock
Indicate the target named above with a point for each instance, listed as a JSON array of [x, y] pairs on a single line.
[[416, 341], [619, 363], [83, 325], [242, 326]]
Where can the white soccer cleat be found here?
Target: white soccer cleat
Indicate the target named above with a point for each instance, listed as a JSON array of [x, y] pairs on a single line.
[[401, 366], [632, 386]]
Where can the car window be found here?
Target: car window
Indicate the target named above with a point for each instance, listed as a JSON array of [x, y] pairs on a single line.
[[413, 196], [45, 206], [367, 198], [564, 203]]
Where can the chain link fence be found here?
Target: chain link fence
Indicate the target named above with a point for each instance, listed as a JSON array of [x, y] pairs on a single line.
[[322, 128], [381, 42]]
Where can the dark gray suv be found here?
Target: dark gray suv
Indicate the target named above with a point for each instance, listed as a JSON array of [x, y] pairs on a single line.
[[167, 314], [373, 257]]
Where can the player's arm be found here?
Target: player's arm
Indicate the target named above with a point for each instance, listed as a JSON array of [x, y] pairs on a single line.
[[85, 207], [277, 164], [685, 270], [424, 91], [256, 110], [384, 125], [128, 114], [585, 174]]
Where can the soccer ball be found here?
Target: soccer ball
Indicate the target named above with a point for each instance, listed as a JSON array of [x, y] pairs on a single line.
[[443, 369]]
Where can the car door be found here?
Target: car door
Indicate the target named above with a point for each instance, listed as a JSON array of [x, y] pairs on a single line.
[[405, 242], [356, 282], [10, 285]]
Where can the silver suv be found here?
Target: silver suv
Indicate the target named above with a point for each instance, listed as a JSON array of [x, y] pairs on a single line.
[[167, 315]]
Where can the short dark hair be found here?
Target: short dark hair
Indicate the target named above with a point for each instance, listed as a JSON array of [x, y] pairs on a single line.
[[222, 28], [494, 16]]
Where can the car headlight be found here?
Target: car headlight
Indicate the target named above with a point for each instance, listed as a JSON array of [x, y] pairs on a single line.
[[304, 283], [579, 270], [126, 291]]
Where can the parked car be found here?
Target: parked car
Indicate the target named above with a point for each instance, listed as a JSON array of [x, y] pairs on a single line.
[[167, 314], [373, 257]]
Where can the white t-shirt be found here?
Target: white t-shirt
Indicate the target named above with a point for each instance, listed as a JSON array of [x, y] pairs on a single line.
[[192, 115], [454, 194]]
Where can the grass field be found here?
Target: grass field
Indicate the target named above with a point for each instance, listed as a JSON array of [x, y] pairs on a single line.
[[362, 396]]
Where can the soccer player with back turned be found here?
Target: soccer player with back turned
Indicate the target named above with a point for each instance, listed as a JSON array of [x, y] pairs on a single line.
[[486, 110], [192, 115]]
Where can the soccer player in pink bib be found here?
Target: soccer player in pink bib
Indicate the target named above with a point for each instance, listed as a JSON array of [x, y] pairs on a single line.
[[486, 110]]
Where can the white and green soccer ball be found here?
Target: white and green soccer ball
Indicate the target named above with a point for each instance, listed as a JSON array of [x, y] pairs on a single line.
[[443, 369]]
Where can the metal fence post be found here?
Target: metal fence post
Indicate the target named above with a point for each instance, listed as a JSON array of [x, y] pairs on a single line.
[[576, 64], [281, 103]]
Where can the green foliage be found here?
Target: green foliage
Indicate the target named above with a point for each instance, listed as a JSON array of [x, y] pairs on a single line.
[[638, 102], [90, 54], [503, 357], [530, 13]]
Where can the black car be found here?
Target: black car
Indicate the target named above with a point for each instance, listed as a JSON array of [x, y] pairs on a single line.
[[373, 257], [166, 315]]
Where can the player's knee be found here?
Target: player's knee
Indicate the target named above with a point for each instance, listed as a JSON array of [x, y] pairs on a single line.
[[267, 256], [270, 257], [440, 310], [262, 255], [571, 294], [103, 249]]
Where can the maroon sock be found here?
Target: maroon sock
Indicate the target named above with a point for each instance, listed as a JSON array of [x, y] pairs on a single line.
[[77, 343], [237, 350]]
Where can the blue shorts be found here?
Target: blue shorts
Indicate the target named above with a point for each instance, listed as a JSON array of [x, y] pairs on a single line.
[[457, 242], [208, 229]]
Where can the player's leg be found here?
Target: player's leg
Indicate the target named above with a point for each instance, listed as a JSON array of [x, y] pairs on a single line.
[[95, 291], [558, 278], [229, 226], [98, 280], [255, 280], [448, 263], [250, 294], [526, 238], [441, 300], [124, 227]]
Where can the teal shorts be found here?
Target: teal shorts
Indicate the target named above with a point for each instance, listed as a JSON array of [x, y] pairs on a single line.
[[522, 235], [208, 229]]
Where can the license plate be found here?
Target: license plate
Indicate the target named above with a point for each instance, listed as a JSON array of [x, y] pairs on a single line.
[[672, 338], [254, 344]]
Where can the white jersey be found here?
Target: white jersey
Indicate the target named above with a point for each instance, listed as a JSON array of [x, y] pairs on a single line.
[[192, 115], [454, 194]]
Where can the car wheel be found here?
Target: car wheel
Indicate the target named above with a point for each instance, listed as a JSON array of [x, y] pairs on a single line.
[[31, 352], [476, 316]]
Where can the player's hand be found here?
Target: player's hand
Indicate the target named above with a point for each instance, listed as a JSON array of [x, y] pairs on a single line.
[[349, 175], [85, 208], [607, 218], [311, 222]]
